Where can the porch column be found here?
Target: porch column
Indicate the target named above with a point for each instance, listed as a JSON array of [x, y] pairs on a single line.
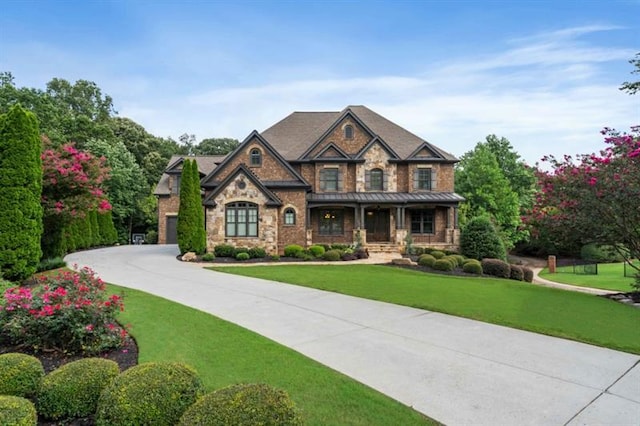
[[398, 218], [362, 216], [307, 218], [357, 218]]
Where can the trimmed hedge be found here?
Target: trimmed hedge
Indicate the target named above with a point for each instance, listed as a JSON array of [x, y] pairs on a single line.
[[316, 250], [527, 274], [479, 239], [73, 390], [472, 268], [20, 375], [208, 257], [443, 265], [17, 411], [332, 255], [149, 394], [244, 405], [496, 268], [426, 260], [243, 256], [516, 273], [437, 254], [257, 252], [293, 250], [224, 250]]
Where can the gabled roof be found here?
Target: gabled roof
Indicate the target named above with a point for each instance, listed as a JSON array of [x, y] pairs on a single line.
[[208, 180], [206, 163], [331, 147], [273, 200], [294, 135], [344, 114], [382, 143]]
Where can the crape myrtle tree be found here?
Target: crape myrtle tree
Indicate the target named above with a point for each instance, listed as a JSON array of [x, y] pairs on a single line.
[[71, 186], [594, 199], [190, 227], [20, 192]]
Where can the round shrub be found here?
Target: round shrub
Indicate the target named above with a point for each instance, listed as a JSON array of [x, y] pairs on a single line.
[[362, 253], [243, 256], [527, 274], [459, 258], [426, 260], [17, 411], [293, 250], [20, 375], [453, 260], [443, 265], [470, 261], [479, 240], [516, 272], [316, 250], [224, 250], [208, 257], [496, 267], [149, 394], [472, 268], [73, 389], [257, 253], [243, 405], [437, 254], [238, 250], [332, 255]]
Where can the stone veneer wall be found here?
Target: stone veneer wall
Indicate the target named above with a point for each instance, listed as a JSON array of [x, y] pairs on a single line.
[[377, 157], [267, 217]]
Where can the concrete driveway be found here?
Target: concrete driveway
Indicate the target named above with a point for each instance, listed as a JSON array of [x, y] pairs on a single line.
[[454, 370]]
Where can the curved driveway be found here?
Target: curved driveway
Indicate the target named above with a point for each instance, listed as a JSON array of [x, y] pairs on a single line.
[[455, 370]]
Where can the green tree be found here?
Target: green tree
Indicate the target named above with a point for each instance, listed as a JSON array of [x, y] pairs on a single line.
[[216, 146], [480, 180], [632, 87], [20, 192], [107, 230], [190, 227], [479, 240], [126, 185]]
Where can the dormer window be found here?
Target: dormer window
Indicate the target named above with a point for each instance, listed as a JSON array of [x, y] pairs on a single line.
[[348, 131], [255, 158]]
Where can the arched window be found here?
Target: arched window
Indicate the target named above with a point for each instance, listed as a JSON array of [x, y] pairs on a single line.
[[241, 220], [255, 157], [289, 216], [376, 180], [348, 131]]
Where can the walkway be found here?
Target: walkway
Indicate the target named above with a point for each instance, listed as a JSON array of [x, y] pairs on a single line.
[[455, 370]]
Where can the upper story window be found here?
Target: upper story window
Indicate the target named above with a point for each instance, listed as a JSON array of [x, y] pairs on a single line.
[[241, 220], [289, 216], [330, 180], [424, 179], [255, 157], [348, 131], [376, 180]]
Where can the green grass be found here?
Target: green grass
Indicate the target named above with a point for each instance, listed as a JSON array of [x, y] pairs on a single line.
[[224, 354], [610, 277], [571, 315]]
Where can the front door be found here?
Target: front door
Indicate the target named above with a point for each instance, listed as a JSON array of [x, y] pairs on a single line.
[[377, 225]]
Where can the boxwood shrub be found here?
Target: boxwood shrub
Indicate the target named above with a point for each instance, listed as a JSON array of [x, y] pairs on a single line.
[[243, 405], [243, 256], [316, 250], [443, 265], [224, 250], [472, 268], [73, 389], [17, 411], [496, 267], [527, 274], [293, 250], [453, 259], [149, 394], [20, 375], [332, 255], [426, 260], [257, 252], [437, 254], [208, 257], [516, 272]]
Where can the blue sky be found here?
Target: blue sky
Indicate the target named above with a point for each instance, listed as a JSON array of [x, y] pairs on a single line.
[[544, 74]]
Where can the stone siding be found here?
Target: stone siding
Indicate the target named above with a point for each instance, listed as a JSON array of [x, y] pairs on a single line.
[[377, 157]]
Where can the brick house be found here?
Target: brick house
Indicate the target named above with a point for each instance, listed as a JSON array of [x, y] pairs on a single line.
[[321, 178]]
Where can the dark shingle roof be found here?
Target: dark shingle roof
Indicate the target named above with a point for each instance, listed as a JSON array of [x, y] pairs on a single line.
[[206, 163], [296, 133]]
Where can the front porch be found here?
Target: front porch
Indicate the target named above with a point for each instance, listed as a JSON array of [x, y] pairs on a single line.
[[381, 225]]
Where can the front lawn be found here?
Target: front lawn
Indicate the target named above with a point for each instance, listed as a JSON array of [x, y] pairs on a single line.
[[224, 354], [571, 315], [610, 277]]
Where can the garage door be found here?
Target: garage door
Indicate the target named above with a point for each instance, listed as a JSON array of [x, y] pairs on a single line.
[[172, 230]]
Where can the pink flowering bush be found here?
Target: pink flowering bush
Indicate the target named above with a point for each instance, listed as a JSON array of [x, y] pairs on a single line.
[[68, 312], [594, 198]]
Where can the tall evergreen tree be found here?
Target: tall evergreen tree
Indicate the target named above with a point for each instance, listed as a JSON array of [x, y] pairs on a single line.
[[190, 227], [20, 193]]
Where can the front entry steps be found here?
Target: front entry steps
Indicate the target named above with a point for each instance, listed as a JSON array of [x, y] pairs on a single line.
[[383, 247]]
